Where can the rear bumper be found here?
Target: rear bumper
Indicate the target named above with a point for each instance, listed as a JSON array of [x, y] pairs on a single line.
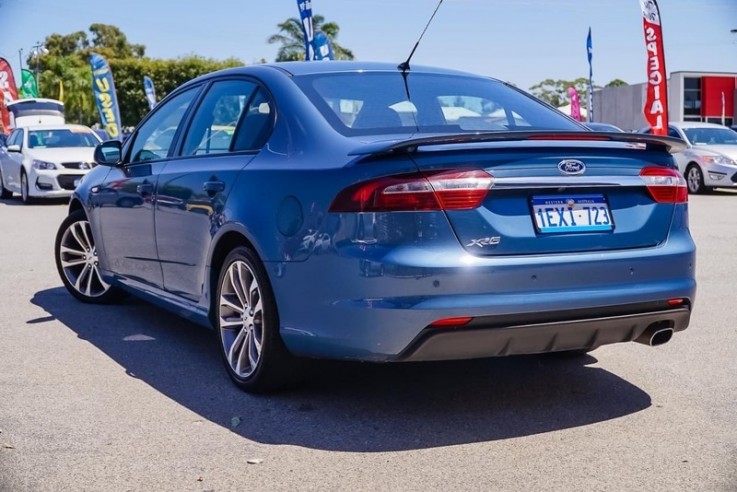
[[495, 336]]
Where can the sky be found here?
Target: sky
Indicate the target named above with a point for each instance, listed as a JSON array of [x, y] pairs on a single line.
[[520, 41]]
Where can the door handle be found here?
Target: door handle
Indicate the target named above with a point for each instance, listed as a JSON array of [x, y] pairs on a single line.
[[212, 187], [145, 188]]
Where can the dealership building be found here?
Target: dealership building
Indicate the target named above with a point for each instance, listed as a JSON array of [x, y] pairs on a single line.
[[692, 96]]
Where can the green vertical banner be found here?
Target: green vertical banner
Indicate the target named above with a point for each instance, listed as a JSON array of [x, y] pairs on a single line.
[[28, 86]]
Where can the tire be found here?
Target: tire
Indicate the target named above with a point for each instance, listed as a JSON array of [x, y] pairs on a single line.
[[4, 193], [247, 324], [76, 262], [24, 193], [695, 179]]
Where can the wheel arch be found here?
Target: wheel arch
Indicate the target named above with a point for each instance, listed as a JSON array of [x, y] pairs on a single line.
[[225, 242], [74, 205]]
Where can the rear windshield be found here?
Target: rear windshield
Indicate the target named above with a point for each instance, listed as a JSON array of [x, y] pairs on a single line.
[[53, 139], [364, 103]]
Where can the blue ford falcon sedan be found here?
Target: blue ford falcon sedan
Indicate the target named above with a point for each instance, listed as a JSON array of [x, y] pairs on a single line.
[[364, 211]]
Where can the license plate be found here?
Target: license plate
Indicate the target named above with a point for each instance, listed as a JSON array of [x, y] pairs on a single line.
[[76, 182], [576, 213]]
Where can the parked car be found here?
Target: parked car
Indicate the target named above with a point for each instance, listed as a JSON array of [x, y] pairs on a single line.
[[710, 159], [603, 127], [328, 225], [46, 161]]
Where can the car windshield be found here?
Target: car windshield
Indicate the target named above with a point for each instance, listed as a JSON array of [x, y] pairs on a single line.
[[53, 139], [364, 103], [711, 136]]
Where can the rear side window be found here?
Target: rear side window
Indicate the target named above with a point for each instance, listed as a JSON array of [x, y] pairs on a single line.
[[215, 122], [255, 127], [358, 103]]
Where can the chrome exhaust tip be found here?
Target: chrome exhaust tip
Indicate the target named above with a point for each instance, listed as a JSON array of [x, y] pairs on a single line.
[[656, 334]]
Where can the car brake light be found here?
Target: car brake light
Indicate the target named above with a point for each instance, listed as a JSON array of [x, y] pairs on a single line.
[[442, 190], [665, 185], [448, 322]]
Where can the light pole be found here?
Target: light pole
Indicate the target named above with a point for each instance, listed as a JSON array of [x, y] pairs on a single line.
[[38, 50]]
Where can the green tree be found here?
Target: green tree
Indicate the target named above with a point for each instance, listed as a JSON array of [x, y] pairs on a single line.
[[555, 92], [115, 44], [292, 39], [616, 83], [67, 61]]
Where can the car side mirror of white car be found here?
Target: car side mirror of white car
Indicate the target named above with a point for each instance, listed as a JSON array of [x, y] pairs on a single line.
[[13, 148], [109, 153]]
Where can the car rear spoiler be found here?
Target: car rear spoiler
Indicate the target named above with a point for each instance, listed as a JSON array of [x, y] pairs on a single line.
[[410, 145]]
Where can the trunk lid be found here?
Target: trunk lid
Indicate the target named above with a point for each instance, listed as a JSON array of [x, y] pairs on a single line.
[[556, 197]]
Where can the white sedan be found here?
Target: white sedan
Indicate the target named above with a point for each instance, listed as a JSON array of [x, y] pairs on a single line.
[[46, 161]]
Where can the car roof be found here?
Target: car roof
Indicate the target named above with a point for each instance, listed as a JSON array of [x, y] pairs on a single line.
[[302, 68], [61, 126], [337, 66], [34, 100], [694, 124]]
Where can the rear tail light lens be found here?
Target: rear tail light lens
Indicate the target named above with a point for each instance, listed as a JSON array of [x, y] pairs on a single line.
[[451, 322], [665, 185], [442, 190]]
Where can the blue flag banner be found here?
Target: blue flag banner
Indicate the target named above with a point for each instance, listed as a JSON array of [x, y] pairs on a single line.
[[305, 14], [323, 48], [590, 52], [105, 97], [148, 88]]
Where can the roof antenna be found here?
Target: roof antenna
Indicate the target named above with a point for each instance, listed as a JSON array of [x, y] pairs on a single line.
[[404, 66]]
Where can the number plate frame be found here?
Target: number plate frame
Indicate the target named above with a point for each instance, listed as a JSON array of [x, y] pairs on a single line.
[[574, 209]]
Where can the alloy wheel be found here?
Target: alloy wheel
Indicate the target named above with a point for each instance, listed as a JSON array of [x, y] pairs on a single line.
[[241, 318], [24, 187], [695, 179], [78, 260]]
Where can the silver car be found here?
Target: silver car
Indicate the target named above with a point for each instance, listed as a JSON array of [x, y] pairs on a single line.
[[710, 159]]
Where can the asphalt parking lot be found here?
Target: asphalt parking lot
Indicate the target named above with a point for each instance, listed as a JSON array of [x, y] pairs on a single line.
[[130, 397]]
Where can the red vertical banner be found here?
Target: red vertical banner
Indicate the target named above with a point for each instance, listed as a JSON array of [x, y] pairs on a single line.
[[8, 92], [4, 114], [656, 104], [7, 81]]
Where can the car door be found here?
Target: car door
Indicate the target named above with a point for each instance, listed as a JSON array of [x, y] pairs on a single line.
[[125, 199], [230, 124], [13, 161]]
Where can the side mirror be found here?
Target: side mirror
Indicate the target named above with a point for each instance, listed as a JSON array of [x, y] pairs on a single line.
[[109, 153], [13, 148]]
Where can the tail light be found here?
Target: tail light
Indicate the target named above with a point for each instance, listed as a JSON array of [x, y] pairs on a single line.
[[451, 322], [442, 190], [665, 185]]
